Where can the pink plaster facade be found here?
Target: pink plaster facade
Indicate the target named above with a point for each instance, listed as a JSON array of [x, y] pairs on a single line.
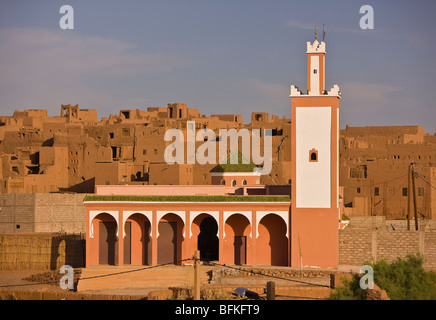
[[263, 226]]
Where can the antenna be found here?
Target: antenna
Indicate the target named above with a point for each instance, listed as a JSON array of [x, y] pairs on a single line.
[[323, 33]]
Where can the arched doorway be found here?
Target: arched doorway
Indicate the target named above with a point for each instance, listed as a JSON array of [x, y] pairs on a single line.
[[208, 242], [107, 239], [237, 241], [137, 240], [169, 242], [272, 243]]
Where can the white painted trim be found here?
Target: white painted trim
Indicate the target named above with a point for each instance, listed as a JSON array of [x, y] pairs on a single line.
[[213, 214], [160, 214], [94, 213], [247, 214], [235, 174], [283, 214], [127, 214], [189, 201]]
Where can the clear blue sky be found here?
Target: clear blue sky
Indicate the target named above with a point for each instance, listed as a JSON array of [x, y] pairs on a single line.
[[226, 56]]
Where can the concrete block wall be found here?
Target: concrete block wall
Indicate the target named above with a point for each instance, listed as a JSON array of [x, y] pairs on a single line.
[[361, 243], [42, 212], [430, 248], [355, 248], [60, 213], [391, 244], [17, 213]]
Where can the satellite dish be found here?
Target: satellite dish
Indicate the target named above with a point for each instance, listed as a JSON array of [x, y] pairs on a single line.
[[244, 292]]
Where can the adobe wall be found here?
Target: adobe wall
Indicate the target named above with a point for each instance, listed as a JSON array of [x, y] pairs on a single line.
[[374, 163], [40, 251]]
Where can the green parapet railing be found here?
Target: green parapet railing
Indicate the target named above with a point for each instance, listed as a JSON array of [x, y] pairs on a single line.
[[229, 198]]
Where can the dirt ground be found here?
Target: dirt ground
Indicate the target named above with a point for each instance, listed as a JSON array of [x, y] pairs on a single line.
[[17, 284], [14, 280]]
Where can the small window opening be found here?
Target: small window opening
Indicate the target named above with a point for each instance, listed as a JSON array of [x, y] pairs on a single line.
[[313, 155]]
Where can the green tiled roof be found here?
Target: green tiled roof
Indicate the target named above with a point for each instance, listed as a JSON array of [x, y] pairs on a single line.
[[226, 166]]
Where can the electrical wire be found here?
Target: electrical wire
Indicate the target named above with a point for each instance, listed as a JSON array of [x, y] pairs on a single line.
[[374, 184], [98, 276], [268, 275], [420, 176]]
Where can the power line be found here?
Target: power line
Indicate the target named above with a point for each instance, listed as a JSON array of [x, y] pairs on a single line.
[[371, 185], [94, 277], [389, 197], [426, 181], [268, 275]]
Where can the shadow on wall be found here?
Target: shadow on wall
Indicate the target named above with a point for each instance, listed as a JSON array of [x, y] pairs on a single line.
[[86, 186], [67, 250]]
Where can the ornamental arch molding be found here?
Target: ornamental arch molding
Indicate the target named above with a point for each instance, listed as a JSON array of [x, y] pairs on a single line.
[[161, 214], [247, 214], [282, 214], [94, 213], [127, 214]]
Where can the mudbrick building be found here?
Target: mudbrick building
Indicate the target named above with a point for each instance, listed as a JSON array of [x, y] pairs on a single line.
[[374, 163], [75, 151]]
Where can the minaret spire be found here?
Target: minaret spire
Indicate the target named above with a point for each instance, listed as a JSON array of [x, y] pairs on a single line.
[[316, 32], [323, 33]]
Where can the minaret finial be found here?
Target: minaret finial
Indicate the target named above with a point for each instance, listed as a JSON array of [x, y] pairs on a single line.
[[323, 33], [316, 32]]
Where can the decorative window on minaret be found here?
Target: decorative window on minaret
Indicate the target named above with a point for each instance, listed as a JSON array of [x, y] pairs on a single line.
[[313, 155]]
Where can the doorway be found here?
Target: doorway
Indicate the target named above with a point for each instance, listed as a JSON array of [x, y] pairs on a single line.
[[240, 244], [108, 243], [208, 242], [128, 243], [167, 242]]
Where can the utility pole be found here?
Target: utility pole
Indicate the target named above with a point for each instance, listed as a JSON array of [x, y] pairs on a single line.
[[197, 275], [414, 194], [408, 197], [270, 290]]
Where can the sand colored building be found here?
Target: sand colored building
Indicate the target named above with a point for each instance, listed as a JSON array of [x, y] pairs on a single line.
[[82, 151], [374, 163]]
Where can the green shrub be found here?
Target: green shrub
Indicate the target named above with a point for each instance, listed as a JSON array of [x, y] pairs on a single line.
[[403, 279], [350, 290], [406, 279]]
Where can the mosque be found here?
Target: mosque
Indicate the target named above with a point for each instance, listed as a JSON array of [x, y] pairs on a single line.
[[235, 220]]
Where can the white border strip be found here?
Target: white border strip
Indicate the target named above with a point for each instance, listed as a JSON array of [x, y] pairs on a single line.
[[194, 214], [127, 214], [283, 214], [94, 213]]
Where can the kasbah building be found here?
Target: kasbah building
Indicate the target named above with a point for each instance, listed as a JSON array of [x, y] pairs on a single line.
[[135, 208]]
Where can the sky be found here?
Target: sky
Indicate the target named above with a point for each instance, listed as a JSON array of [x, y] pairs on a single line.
[[220, 56]]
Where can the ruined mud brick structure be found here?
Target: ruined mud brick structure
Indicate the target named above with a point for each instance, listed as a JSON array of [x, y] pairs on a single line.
[[374, 165], [75, 151]]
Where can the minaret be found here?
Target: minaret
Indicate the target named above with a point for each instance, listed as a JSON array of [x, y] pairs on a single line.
[[315, 67], [315, 166]]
